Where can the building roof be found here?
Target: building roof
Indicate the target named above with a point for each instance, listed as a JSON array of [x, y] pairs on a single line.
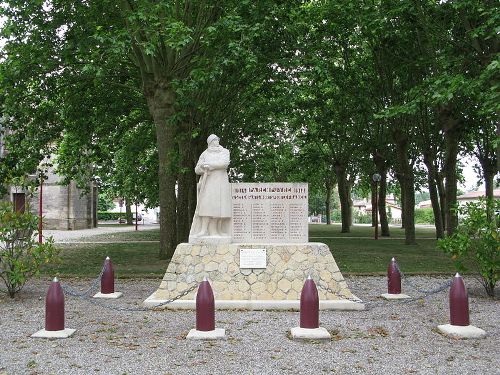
[[478, 194]]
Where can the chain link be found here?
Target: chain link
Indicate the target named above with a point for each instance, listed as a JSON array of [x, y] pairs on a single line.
[[93, 285], [321, 284], [123, 308], [423, 291], [371, 304]]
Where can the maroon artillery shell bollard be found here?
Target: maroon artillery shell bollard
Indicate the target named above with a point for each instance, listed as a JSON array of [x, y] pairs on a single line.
[[54, 307], [108, 278], [459, 303], [205, 307], [393, 278], [309, 305]]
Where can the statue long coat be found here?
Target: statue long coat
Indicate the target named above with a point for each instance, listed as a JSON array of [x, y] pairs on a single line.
[[214, 192]]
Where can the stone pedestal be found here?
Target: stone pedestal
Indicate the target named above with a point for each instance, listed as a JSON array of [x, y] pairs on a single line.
[[278, 286]]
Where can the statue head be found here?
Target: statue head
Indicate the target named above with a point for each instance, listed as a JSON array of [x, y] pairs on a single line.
[[211, 138]]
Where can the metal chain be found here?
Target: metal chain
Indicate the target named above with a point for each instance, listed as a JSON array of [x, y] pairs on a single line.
[[122, 308], [416, 288], [83, 296], [93, 285], [371, 304], [368, 304]]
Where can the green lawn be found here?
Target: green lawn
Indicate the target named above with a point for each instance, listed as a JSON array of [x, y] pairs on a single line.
[[359, 255], [140, 235], [320, 230], [364, 255], [129, 260]]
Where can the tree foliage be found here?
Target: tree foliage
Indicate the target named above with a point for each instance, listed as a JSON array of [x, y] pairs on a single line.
[[21, 256], [126, 92], [475, 246]]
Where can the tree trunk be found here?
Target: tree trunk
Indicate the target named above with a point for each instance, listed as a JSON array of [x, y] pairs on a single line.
[[382, 211], [407, 181], [343, 196], [373, 189], [328, 202], [192, 195], [349, 202], [128, 212], [410, 208], [442, 197], [401, 183], [451, 128], [379, 162], [489, 171], [183, 189], [160, 98], [433, 192]]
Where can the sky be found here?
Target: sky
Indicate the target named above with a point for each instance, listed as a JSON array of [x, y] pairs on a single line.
[[470, 177]]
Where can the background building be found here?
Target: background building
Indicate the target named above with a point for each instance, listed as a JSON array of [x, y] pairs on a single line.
[[64, 206]]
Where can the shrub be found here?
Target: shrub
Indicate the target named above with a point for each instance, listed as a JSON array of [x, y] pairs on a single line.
[[336, 217], [424, 216], [361, 218], [101, 215], [21, 256], [475, 244]]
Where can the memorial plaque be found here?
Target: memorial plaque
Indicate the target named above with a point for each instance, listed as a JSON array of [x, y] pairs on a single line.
[[269, 212], [253, 258]]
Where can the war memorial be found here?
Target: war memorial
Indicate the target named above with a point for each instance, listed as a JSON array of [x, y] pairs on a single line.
[[251, 241]]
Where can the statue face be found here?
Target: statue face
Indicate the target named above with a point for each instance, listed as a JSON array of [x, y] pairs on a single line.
[[215, 142]]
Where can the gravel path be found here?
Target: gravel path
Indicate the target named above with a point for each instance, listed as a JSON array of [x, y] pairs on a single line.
[[398, 338]]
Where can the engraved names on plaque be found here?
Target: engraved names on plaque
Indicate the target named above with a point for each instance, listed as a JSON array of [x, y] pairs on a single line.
[[269, 212]]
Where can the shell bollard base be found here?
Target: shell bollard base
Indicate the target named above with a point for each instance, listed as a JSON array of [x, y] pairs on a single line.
[[462, 332], [216, 334], [108, 295], [310, 333], [392, 296], [61, 334]]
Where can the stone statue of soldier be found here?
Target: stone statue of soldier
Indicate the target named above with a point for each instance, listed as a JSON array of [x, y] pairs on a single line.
[[212, 218]]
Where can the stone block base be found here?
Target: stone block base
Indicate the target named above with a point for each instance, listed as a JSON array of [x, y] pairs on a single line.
[[62, 334], [392, 297], [108, 295], [216, 334], [273, 287], [310, 333], [462, 332]]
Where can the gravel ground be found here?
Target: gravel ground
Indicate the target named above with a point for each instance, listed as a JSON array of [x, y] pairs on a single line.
[[390, 337]]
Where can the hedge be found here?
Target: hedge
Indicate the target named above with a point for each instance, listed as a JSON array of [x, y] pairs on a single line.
[[105, 215], [424, 216]]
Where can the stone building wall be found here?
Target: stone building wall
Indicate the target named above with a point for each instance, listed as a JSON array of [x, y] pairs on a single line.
[[65, 207]]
